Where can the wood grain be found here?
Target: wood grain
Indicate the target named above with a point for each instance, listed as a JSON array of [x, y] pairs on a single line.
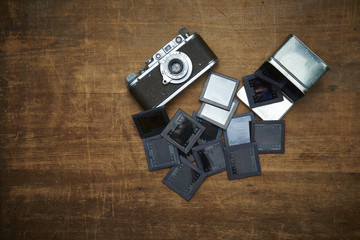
[[73, 165]]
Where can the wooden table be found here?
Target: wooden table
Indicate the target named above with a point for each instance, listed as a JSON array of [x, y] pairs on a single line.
[[73, 165]]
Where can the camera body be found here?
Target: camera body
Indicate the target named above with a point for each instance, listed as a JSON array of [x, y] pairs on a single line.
[[171, 70]]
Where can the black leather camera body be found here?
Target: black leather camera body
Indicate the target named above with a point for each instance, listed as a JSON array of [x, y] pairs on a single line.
[[171, 70]]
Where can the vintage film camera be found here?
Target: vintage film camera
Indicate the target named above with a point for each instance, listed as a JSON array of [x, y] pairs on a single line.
[[171, 70]]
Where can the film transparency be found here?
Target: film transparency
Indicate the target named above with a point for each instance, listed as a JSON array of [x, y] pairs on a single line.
[[242, 161], [219, 90], [271, 75], [160, 153], [217, 116], [188, 156], [183, 131], [211, 132], [274, 111], [210, 157], [238, 130], [151, 122], [261, 92], [269, 135], [184, 179]]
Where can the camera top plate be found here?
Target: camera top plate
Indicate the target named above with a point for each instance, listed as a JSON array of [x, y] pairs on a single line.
[[174, 44]]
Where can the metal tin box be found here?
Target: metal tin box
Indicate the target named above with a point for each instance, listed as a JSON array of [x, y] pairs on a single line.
[[294, 68]]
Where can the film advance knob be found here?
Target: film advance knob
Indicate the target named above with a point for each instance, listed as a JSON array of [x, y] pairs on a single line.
[[130, 77], [142, 70], [149, 61], [184, 32]]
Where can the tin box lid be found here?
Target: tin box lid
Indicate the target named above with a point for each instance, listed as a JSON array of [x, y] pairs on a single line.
[[298, 63]]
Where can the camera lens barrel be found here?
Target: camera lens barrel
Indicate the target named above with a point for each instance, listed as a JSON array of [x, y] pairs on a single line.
[[175, 68], [129, 78]]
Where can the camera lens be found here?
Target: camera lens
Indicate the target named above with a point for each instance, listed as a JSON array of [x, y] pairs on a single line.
[[175, 66]]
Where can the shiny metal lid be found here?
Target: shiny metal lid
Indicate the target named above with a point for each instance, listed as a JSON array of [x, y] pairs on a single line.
[[298, 63]]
